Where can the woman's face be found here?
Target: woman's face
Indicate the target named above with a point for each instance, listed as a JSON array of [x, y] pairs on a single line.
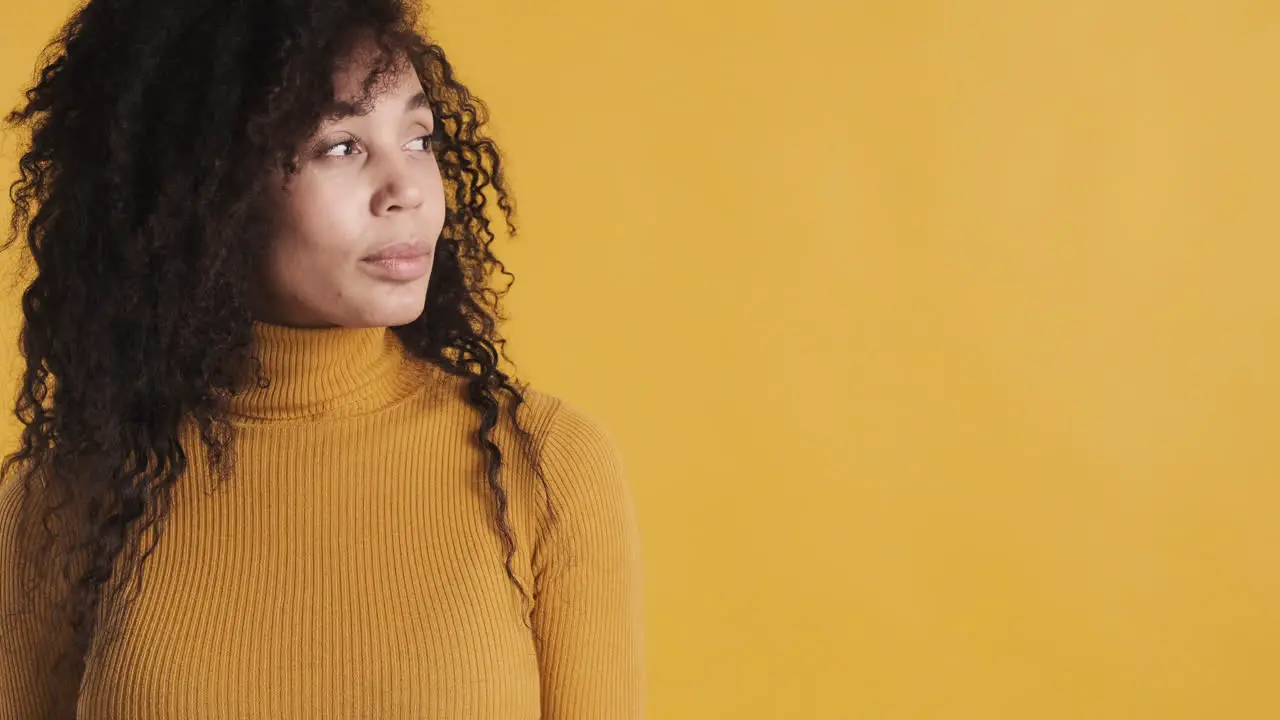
[[355, 230]]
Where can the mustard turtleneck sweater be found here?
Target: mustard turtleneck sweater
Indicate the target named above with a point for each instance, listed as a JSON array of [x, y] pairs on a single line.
[[352, 568]]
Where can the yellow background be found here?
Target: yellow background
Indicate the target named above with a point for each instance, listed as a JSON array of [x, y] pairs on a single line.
[[940, 337]]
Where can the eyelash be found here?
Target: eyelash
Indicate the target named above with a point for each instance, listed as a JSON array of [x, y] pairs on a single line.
[[428, 145]]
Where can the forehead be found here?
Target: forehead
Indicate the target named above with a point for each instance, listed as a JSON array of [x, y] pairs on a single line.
[[367, 78]]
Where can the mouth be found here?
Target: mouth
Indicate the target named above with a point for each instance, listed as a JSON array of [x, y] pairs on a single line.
[[400, 262], [400, 251]]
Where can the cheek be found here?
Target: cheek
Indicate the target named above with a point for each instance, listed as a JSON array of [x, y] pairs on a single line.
[[434, 203], [319, 221]]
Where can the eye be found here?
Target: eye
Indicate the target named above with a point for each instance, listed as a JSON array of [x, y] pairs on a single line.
[[426, 142], [337, 150]]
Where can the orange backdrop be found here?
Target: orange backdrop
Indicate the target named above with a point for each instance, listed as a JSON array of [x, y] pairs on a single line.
[[940, 337]]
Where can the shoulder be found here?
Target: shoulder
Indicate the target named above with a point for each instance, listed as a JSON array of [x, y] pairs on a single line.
[[581, 462], [11, 494], [571, 442], [21, 499], [572, 449]]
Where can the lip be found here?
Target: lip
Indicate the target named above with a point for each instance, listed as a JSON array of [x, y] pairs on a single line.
[[400, 251], [400, 262]]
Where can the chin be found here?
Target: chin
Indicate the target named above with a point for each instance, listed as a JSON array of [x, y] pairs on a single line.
[[389, 312], [391, 317]]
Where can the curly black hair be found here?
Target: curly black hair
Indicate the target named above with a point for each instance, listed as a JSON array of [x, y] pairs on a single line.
[[153, 127]]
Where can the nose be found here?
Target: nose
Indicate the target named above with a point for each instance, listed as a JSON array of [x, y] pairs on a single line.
[[397, 188]]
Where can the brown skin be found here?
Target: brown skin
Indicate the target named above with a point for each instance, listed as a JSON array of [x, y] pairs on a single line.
[[367, 184]]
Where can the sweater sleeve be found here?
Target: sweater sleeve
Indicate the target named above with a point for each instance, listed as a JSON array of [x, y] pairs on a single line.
[[587, 615], [23, 688]]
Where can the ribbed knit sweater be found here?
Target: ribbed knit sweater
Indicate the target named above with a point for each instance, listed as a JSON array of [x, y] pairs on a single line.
[[353, 566]]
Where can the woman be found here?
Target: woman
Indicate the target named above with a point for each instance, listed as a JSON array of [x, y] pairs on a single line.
[[271, 465]]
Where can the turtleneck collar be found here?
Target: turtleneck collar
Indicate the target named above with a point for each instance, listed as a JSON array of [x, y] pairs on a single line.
[[325, 373]]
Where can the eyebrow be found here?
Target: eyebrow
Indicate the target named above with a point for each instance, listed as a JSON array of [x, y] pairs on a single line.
[[343, 109]]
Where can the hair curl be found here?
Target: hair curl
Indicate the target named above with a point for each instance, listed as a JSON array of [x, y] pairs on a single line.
[[153, 126]]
